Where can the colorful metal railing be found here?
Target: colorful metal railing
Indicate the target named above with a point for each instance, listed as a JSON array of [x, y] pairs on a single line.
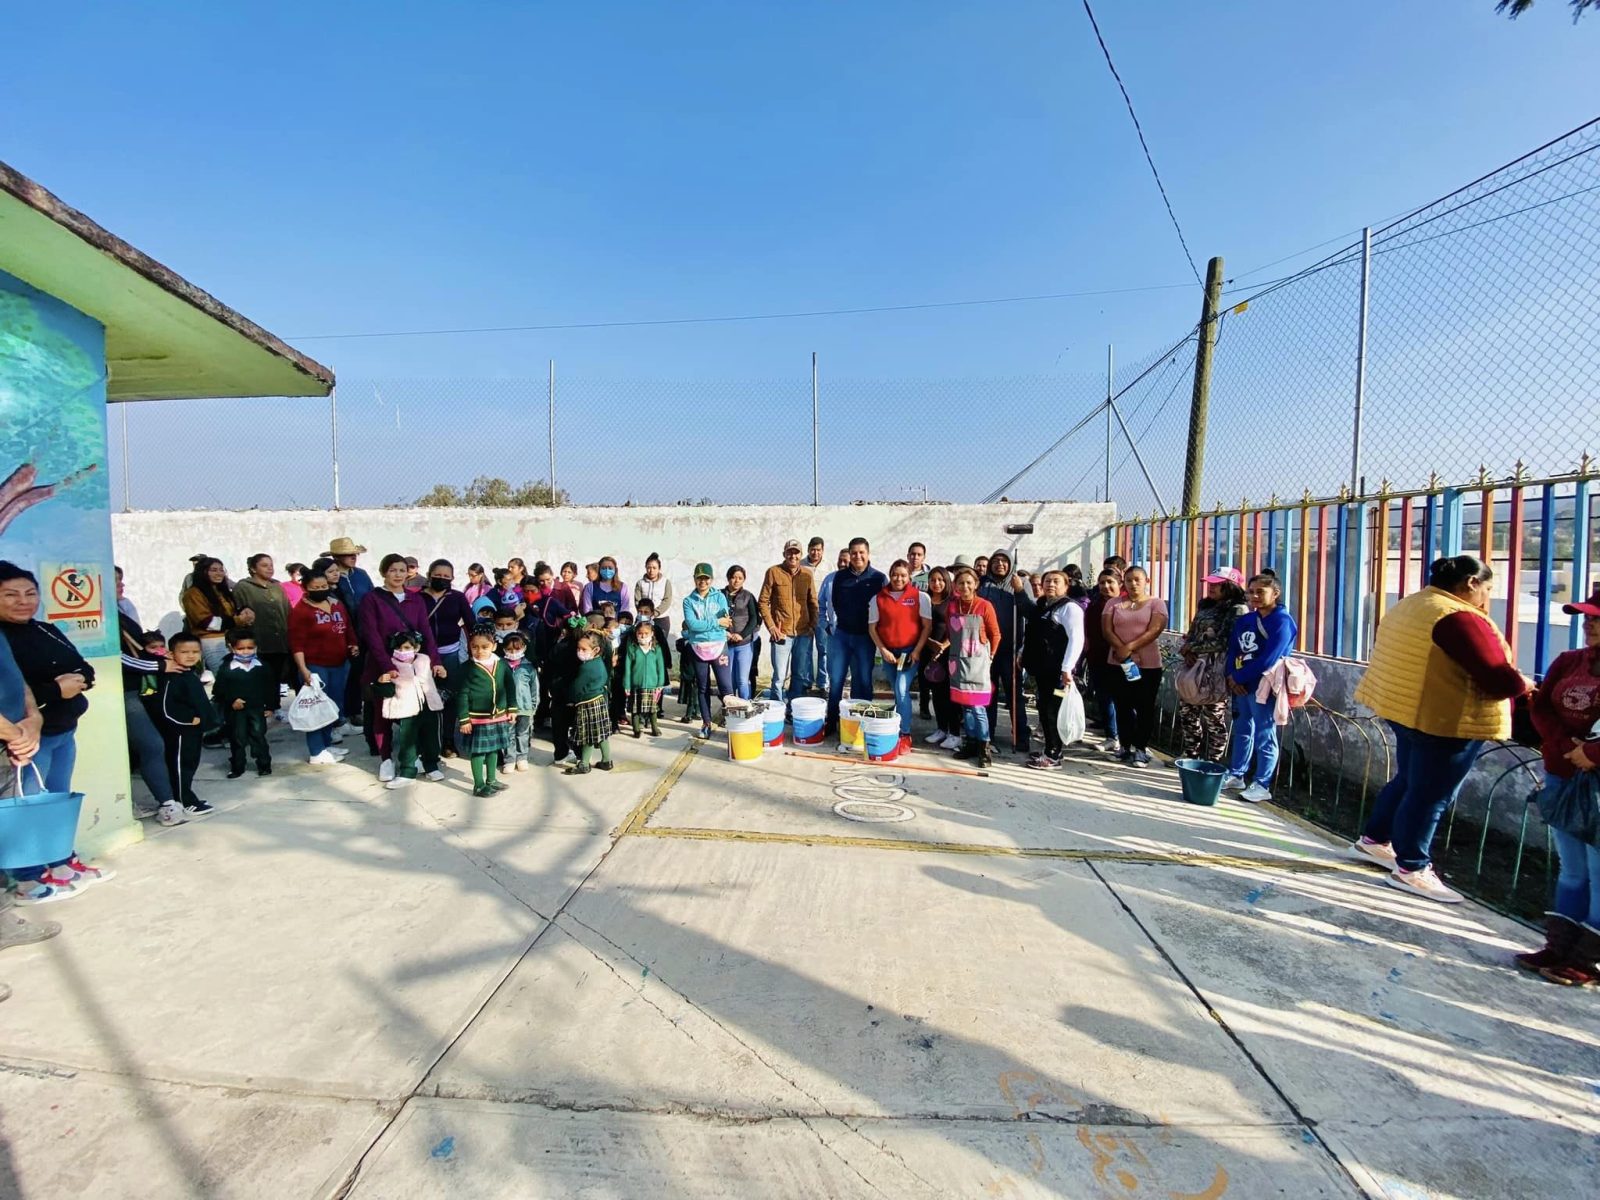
[[1343, 561]]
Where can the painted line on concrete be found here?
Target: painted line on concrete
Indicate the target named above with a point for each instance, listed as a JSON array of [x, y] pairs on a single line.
[[635, 821], [1135, 857]]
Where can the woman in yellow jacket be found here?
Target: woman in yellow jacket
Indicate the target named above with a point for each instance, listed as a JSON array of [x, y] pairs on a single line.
[[1442, 677]]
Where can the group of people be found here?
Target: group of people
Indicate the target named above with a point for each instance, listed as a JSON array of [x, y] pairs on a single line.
[[427, 670]]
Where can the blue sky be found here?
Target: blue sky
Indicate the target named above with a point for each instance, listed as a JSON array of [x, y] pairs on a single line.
[[350, 167]]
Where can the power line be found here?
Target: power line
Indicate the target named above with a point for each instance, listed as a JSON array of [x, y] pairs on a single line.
[[779, 316], [1139, 129]]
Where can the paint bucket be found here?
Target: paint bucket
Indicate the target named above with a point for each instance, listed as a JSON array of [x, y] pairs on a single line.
[[772, 724], [1202, 780], [881, 737], [850, 735], [744, 736], [39, 828], [809, 716]]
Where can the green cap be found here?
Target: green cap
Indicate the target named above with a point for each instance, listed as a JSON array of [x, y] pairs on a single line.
[[704, 571]]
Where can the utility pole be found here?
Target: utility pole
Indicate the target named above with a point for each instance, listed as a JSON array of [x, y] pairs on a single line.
[[333, 415], [1361, 360], [1111, 375], [1194, 462], [816, 490]]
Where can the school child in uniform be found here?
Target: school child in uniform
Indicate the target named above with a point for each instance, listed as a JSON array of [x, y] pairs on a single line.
[[483, 710], [525, 699], [621, 638], [505, 624], [644, 678], [591, 721], [183, 714], [560, 671], [246, 695], [409, 698]]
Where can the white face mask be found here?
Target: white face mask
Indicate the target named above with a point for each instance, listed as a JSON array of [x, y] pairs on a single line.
[[585, 655], [514, 658], [485, 659]]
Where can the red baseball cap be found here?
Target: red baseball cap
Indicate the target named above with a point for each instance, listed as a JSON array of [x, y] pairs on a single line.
[[1589, 608]]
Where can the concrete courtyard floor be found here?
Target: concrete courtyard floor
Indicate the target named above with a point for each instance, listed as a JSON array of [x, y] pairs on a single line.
[[793, 978]]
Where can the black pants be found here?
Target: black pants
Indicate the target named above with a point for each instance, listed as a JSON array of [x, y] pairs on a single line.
[[281, 669], [924, 693], [1136, 706], [247, 727], [1049, 711], [1000, 675], [561, 727], [181, 747]]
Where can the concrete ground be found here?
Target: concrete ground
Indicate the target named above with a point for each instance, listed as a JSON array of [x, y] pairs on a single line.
[[794, 978]]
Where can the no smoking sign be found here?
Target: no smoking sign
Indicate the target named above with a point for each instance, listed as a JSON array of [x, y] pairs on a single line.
[[74, 595]]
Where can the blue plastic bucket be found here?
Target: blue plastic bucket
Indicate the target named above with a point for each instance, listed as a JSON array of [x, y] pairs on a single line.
[[809, 715], [37, 829], [1201, 780]]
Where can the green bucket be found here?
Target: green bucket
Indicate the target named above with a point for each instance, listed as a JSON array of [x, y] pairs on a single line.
[[1202, 780]]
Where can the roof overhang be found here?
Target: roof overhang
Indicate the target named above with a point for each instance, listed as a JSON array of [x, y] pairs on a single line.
[[165, 338]]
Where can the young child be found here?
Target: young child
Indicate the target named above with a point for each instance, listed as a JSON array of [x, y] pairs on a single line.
[[587, 694], [183, 714], [246, 695], [621, 634], [409, 695], [483, 710], [525, 698], [505, 624], [644, 677]]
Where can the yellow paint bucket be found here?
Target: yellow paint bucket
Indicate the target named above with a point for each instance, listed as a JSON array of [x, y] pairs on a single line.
[[851, 736], [745, 742]]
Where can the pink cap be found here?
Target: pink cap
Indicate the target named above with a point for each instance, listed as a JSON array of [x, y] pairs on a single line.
[[1227, 575]]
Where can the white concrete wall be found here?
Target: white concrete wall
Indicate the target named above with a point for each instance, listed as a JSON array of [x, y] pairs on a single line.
[[154, 547]]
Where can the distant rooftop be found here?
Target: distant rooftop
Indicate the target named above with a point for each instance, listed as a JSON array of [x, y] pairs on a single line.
[[166, 339]]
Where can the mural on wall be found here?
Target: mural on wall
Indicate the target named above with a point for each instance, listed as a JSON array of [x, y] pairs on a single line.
[[54, 487]]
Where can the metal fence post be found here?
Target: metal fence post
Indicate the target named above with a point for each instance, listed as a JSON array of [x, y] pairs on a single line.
[[551, 401], [127, 487], [1194, 463], [1111, 376], [333, 417], [816, 490], [1361, 360]]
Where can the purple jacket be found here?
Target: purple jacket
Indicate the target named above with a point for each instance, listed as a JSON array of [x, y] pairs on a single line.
[[384, 614]]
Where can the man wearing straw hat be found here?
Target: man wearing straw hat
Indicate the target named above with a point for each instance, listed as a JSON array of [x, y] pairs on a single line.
[[354, 583]]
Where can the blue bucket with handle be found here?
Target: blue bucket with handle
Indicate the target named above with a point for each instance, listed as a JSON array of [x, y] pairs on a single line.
[[39, 828]]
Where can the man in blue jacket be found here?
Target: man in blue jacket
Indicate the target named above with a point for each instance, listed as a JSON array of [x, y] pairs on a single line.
[[852, 651]]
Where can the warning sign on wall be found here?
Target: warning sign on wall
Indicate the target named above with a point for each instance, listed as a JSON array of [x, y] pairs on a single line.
[[74, 598]]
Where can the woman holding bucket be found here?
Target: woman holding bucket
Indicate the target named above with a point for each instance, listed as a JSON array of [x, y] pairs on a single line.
[[705, 632], [899, 619], [57, 676], [974, 639]]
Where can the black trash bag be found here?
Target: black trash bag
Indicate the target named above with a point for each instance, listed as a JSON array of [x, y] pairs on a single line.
[[1573, 806]]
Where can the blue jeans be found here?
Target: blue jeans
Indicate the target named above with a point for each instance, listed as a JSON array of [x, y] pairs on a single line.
[[740, 655], [1578, 884], [1428, 772], [975, 723], [852, 655], [824, 640], [904, 680], [334, 680], [1103, 678], [147, 744], [793, 655], [1254, 730], [55, 757]]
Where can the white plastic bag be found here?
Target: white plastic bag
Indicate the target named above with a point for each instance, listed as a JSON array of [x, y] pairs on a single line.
[[312, 709], [1070, 723]]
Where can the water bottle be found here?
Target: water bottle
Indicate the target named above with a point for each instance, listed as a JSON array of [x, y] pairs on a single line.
[[1131, 670]]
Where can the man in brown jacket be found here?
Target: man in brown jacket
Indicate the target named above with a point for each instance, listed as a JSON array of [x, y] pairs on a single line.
[[788, 604]]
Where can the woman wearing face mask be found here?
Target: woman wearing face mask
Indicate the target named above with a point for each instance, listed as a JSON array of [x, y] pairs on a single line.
[[322, 641], [606, 588], [705, 632], [385, 611], [656, 588], [449, 616], [1443, 678]]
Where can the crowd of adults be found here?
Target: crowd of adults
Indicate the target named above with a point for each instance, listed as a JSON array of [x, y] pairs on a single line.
[[961, 643]]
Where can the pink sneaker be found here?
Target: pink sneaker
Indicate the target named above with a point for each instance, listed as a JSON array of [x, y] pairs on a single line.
[[1424, 882], [1381, 853]]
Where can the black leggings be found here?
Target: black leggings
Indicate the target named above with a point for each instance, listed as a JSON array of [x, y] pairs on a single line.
[[1136, 706], [182, 746], [702, 681], [1049, 710]]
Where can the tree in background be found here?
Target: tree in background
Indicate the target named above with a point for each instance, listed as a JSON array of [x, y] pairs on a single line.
[[493, 492], [1515, 8]]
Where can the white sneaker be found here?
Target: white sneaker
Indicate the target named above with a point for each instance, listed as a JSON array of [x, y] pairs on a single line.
[[936, 738], [435, 776], [1233, 784], [1255, 794], [1111, 746], [338, 752], [322, 759], [1381, 853], [1425, 883], [386, 771], [170, 813], [521, 765], [337, 735], [398, 782], [952, 741]]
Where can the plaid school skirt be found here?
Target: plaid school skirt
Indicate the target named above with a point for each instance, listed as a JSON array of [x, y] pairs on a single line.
[[644, 704], [488, 737], [591, 722]]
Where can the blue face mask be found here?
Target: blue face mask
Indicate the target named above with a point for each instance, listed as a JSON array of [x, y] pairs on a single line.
[[244, 660], [608, 573]]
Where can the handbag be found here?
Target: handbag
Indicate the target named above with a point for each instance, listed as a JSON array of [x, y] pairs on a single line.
[[36, 827], [1201, 682], [1573, 806], [312, 709], [936, 671]]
